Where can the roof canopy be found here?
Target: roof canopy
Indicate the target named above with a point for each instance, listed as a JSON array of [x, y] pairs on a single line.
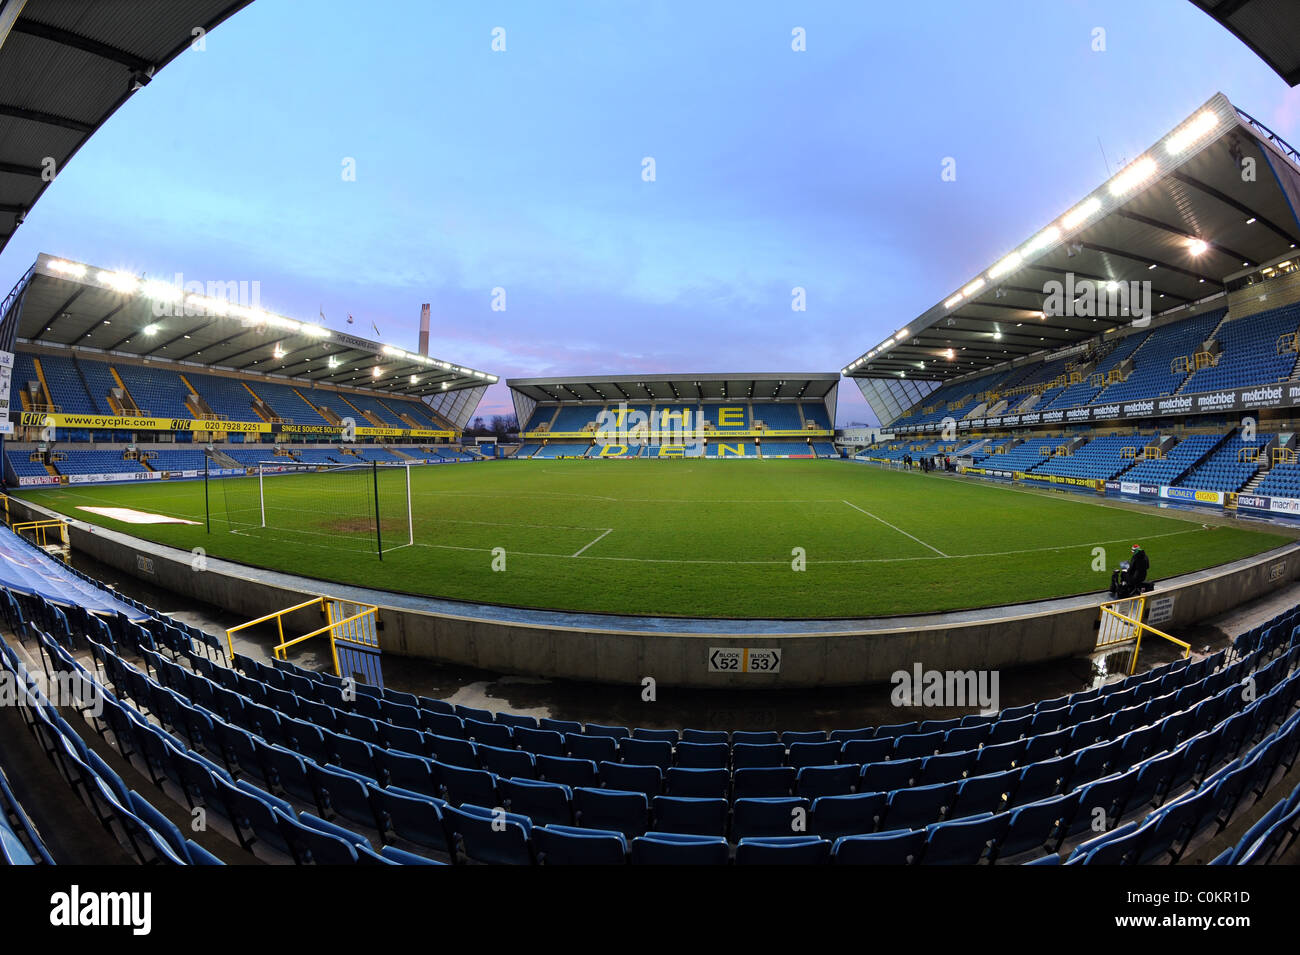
[[649, 388], [66, 66], [1269, 27], [1212, 199], [73, 304]]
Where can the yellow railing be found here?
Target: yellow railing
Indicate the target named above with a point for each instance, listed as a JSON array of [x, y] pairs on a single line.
[[1121, 622], [1287, 342], [357, 628], [42, 531]]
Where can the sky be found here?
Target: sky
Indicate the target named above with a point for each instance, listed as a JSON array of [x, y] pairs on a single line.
[[524, 169]]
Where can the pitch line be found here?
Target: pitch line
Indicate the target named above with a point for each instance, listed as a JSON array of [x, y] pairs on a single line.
[[785, 562], [596, 541], [899, 529]]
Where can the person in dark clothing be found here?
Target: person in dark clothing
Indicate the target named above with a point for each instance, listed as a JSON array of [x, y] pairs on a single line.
[[1128, 580], [1138, 565]]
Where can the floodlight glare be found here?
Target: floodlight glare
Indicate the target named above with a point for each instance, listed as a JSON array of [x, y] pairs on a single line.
[[974, 287], [1080, 214], [68, 268], [151, 329], [1195, 129], [122, 282], [1197, 246], [1133, 175], [1041, 241], [1006, 265]]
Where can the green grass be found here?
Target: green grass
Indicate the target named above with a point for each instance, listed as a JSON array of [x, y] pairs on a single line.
[[698, 538]]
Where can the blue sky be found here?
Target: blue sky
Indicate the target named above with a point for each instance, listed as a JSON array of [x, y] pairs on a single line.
[[522, 169]]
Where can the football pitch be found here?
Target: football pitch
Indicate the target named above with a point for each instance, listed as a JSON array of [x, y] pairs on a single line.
[[780, 538]]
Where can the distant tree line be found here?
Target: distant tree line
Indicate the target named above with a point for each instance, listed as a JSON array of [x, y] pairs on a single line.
[[500, 427]]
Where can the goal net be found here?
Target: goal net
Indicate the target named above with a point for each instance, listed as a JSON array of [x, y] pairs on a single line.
[[363, 507]]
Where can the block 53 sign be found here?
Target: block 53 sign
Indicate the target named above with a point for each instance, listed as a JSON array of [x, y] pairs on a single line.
[[744, 660]]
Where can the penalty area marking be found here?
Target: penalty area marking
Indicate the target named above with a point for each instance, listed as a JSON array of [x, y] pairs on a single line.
[[589, 543], [899, 529]]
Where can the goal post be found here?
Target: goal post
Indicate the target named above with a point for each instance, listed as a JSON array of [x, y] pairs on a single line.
[[362, 506]]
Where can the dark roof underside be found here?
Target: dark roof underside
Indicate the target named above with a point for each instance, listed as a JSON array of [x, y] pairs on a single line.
[[1271, 28], [65, 68]]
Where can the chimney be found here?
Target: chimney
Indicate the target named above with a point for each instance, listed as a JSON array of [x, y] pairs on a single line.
[[424, 329]]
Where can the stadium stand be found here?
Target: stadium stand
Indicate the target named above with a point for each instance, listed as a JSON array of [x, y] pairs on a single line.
[[99, 382], [1230, 466], [1082, 393], [225, 396], [1176, 463], [96, 462], [291, 769], [1101, 458], [563, 450], [777, 416], [67, 390], [156, 391], [774, 448], [287, 404], [1249, 352]]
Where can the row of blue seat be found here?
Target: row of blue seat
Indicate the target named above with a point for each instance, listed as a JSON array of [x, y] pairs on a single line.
[[1270, 838]]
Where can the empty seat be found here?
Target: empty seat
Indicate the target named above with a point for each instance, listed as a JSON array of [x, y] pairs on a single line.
[[670, 848], [625, 812], [691, 815], [783, 850], [569, 845]]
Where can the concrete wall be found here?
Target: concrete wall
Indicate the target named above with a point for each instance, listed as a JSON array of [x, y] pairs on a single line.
[[842, 653]]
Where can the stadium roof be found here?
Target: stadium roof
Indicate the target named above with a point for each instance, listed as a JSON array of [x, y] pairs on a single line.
[[1215, 197], [765, 387], [72, 304], [1269, 27], [65, 68]]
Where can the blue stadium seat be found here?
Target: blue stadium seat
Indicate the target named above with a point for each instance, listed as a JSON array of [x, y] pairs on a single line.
[[690, 815], [569, 845], [783, 850], [668, 848]]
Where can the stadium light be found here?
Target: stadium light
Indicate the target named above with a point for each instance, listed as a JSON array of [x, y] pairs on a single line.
[[1041, 241], [1134, 174], [68, 268], [1009, 264], [1081, 213], [162, 291], [414, 380], [1197, 246], [974, 287], [151, 329], [375, 372], [1195, 129], [953, 301], [123, 282]]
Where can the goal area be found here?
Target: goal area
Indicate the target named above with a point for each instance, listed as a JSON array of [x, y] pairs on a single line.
[[363, 507]]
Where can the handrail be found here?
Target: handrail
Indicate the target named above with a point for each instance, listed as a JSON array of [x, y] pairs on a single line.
[[1139, 628], [333, 627]]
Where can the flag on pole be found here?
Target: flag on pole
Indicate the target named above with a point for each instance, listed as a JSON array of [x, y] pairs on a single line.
[[375, 327]]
